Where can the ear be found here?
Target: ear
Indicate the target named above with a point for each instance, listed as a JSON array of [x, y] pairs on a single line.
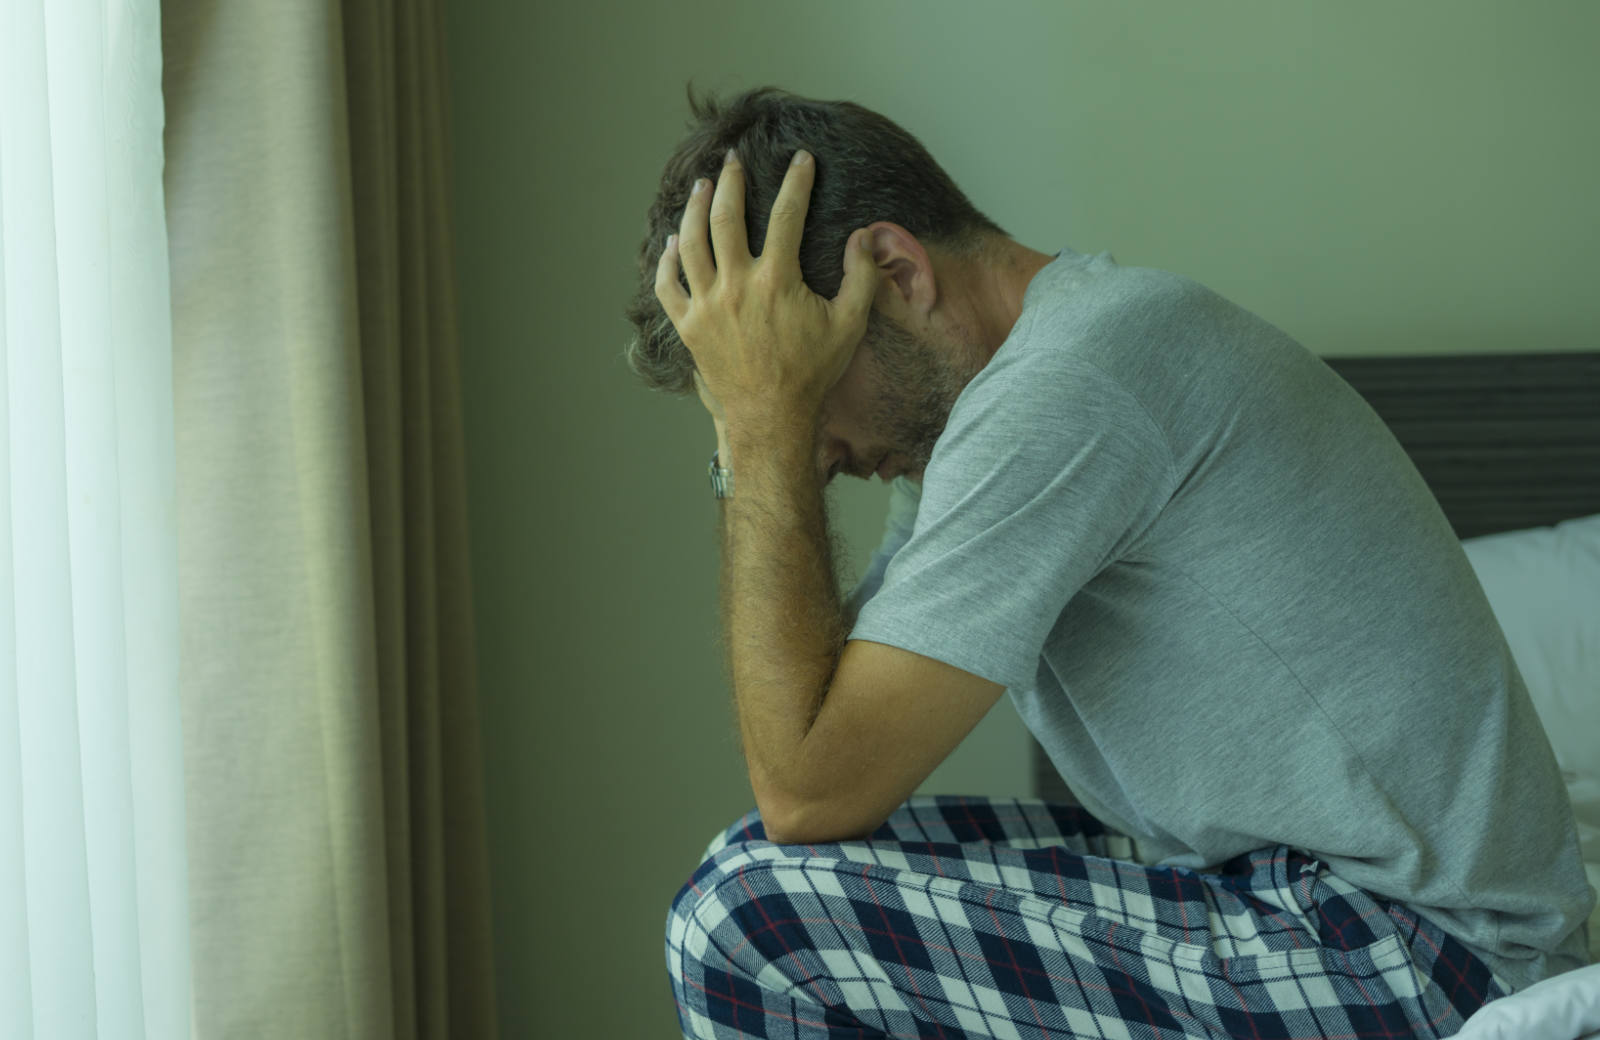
[[907, 288]]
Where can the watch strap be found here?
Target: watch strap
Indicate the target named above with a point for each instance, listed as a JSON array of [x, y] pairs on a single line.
[[721, 478]]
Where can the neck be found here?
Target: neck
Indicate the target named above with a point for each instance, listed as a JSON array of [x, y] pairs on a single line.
[[999, 287]]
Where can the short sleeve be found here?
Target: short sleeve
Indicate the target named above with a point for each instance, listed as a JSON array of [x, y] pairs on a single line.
[[1048, 471]]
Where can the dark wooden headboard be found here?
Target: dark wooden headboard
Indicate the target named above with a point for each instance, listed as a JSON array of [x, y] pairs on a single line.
[[1505, 441]]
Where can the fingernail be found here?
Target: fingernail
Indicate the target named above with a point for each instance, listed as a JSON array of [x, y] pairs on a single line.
[[671, 241], [729, 158], [699, 186], [801, 157]]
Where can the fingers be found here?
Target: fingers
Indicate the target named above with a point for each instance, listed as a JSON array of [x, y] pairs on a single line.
[[722, 211], [728, 235], [788, 219], [716, 219], [673, 299], [693, 247]]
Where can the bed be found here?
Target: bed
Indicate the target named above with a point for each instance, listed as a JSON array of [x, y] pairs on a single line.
[[1510, 446]]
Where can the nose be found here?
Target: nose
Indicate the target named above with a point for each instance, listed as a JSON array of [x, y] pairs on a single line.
[[832, 454]]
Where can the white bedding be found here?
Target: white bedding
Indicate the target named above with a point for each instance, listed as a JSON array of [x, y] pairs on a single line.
[[1544, 587], [1566, 1007]]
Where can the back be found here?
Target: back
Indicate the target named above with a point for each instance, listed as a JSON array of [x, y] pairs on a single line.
[[1258, 626]]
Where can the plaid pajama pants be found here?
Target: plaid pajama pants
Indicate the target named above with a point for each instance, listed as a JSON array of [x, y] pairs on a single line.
[[1016, 918]]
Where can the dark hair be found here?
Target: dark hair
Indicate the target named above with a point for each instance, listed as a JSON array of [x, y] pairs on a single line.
[[867, 169]]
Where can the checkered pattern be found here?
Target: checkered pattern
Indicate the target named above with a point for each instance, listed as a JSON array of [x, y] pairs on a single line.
[[1016, 918]]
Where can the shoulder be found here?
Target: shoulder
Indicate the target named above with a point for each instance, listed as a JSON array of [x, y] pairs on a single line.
[[1151, 332], [1131, 307], [1088, 330], [1098, 312], [1100, 289]]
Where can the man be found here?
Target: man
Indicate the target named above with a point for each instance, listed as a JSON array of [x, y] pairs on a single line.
[[1317, 800]]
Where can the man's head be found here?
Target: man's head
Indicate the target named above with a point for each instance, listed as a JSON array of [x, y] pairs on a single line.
[[923, 338], [892, 403]]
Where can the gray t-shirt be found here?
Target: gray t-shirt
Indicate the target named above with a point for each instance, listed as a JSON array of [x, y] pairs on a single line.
[[1224, 601]]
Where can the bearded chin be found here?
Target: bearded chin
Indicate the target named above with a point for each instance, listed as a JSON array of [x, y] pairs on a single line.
[[919, 441], [916, 387]]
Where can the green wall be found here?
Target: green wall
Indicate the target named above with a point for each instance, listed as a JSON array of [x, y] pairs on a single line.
[[1372, 177]]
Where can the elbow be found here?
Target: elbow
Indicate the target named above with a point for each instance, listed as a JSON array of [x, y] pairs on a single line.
[[782, 821], [812, 825], [786, 811], [790, 834]]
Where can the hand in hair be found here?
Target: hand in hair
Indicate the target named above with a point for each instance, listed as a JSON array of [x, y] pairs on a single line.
[[765, 345]]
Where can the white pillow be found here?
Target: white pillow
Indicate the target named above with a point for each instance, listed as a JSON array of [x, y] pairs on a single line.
[[1544, 586], [1564, 1007]]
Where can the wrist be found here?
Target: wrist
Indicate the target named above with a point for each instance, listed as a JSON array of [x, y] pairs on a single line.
[[763, 430], [766, 446]]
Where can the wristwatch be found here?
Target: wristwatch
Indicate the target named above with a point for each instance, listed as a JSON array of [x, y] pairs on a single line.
[[721, 479]]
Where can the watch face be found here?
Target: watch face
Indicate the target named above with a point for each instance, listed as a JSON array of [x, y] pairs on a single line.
[[721, 480]]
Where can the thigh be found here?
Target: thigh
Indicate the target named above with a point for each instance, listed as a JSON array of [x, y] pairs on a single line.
[[1059, 853], [1022, 823], [983, 917]]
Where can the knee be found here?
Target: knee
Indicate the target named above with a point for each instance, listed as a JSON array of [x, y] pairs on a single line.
[[723, 857], [746, 829]]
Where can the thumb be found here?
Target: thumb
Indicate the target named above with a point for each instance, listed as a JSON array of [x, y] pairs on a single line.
[[860, 285]]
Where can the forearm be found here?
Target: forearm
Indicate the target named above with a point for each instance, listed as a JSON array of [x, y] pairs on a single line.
[[780, 600]]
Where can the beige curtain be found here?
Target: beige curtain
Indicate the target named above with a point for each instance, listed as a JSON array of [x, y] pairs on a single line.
[[336, 831]]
